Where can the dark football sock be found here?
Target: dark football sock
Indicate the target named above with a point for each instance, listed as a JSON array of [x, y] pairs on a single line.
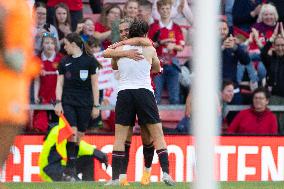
[[117, 163], [148, 152], [126, 159], [163, 159]]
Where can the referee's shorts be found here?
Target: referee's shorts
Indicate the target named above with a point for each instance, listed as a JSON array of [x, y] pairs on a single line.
[[78, 116]]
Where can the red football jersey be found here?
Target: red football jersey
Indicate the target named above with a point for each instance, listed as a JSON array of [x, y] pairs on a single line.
[[48, 82], [74, 5], [173, 31]]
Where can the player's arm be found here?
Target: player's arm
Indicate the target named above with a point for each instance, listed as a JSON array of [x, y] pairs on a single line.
[[138, 41], [120, 53], [115, 59], [113, 53], [114, 64], [156, 66]]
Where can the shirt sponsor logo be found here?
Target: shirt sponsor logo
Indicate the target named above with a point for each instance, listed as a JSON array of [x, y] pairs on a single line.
[[68, 64]]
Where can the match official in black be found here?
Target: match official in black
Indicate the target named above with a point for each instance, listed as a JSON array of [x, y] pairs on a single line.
[[77, 92]]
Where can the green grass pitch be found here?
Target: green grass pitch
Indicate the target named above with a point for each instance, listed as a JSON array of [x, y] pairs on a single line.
[[94, 185]]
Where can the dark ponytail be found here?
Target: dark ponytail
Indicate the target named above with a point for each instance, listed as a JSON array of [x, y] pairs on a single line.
[[76, 38]]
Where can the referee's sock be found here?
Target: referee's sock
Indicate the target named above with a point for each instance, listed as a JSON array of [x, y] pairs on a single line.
[[117, 163], [163, 159], [127, 145], [148, 152]]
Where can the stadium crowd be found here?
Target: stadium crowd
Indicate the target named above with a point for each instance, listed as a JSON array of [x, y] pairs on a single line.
[[252, 58]]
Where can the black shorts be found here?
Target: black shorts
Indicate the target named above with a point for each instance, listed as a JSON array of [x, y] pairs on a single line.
[[132, 102], [78, 116]]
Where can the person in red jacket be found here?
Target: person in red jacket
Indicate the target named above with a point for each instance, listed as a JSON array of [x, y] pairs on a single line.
[[75, 7], [257, 120]]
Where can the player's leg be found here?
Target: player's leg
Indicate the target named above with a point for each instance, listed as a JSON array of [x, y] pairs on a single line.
[[156, 132], [148, 115], [118, 153], [125, 117], [148, 153], [127, 145]]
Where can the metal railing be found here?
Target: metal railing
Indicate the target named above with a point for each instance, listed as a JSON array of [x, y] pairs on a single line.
[[274, 108]]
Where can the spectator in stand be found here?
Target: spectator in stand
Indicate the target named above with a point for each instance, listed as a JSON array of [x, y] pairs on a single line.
[[62, 23], [256, 120], [45, 84], [181, 14], [279, 4], [245, 13], [226, 96], [229, 13], [86, 29], [75, 7], [130, 12], [255, 69], [145, 11], [261, 31], [232, 53], [41, 26], [94, 45], [95, 125], [266, 21], [103, 29], [96, 6], [273, 57], [131, 9], [168, 40]]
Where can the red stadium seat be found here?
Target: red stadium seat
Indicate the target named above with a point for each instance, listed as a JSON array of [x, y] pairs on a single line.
[[170, 118]]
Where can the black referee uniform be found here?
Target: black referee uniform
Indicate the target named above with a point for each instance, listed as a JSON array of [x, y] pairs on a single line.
[[77, 95]]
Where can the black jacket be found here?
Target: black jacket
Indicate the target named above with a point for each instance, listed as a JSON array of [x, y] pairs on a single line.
[[275, 70], [230, 59], [241, 14]]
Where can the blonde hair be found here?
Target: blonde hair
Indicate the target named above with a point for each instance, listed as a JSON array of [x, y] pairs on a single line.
[[267, 8]]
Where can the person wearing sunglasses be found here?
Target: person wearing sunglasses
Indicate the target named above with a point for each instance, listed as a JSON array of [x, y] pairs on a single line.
[[45, 84]]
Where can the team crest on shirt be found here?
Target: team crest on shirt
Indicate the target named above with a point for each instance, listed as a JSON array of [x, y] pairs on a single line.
[[84, 74], [55, 65]]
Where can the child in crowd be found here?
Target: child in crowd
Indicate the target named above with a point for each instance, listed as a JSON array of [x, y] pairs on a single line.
[[45, 85]]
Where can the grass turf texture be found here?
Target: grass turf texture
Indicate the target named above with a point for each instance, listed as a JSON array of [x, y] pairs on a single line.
[[93, 185]]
